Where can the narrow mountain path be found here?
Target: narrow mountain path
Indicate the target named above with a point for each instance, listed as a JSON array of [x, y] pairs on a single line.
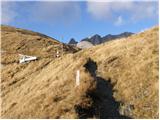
[[104, 105]]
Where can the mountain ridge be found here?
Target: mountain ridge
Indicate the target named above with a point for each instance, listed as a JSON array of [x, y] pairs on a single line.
[[97, 39], [22, 41]]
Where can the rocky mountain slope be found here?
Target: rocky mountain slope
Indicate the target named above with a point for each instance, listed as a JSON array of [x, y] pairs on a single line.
[[118, 79], [72, 41], [113, 37], [97, 39], [84, 44]]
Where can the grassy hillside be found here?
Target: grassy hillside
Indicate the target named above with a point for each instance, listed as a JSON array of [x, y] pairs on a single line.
[[21, 41], [119, 79]]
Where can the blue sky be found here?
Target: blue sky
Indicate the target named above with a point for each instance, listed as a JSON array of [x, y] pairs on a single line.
[[80, 19]]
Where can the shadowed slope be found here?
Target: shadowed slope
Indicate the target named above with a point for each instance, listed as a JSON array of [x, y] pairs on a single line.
[[106, 107]]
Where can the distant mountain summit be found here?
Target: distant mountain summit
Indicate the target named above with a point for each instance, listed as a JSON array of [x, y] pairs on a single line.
[[97, 39], [112, 37], [72, 41]]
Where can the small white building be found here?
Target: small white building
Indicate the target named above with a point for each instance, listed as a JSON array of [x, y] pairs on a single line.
[[25, 58]]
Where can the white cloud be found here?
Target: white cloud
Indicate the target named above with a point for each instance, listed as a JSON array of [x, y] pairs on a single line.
[[8, 13], [53, 12], [119, 21], [129, 10], [67, 12], [144, 10], [99, 10], [49, 12]]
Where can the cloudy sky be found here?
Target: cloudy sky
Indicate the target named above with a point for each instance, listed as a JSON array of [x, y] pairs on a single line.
[[80, 19]]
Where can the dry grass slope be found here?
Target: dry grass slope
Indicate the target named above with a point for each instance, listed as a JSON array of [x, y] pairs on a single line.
[[120, 76], [15, 40]]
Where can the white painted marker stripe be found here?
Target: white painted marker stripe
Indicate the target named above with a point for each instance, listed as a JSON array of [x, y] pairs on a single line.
[[78, 78]]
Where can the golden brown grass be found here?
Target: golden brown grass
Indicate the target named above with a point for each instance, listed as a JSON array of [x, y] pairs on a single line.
[[46, 88], [31, 43]]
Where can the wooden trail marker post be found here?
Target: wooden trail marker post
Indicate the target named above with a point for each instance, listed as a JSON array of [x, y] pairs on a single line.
[[57, 54], [77, 78]]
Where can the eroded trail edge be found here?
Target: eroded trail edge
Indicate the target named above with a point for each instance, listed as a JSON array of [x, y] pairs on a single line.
[[103, 103]]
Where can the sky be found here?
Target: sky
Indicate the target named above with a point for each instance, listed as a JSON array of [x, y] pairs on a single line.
[[64, 20]]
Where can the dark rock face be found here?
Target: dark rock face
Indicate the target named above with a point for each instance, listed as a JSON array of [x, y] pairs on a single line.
[[112, 37], [72, 41], [97, 39]]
